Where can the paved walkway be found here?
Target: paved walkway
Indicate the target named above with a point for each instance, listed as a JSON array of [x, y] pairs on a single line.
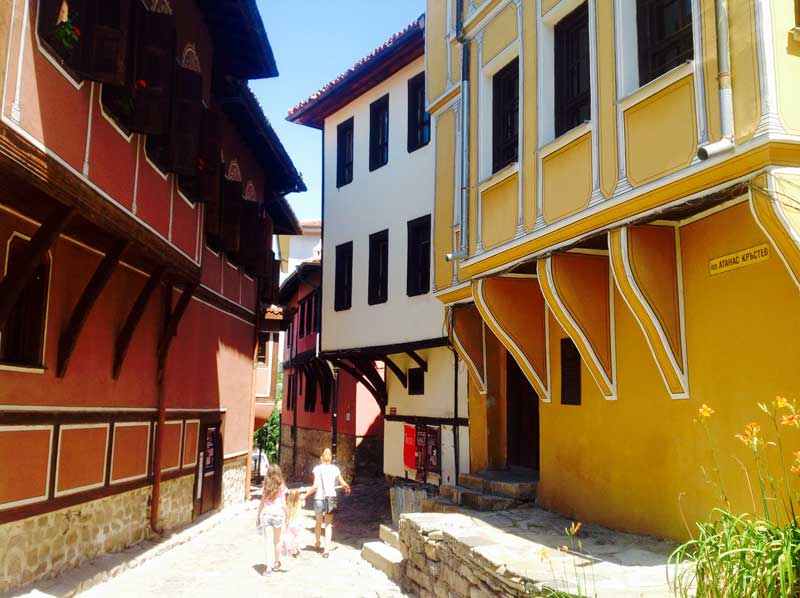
[[228, 560]]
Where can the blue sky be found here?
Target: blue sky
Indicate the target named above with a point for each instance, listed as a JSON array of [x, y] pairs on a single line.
[[314, 41]]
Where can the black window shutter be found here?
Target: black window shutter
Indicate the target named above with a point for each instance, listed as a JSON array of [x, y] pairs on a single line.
[[377, 290], [418, 268], [104, 43], [344, 153], [419, 121], [154, 59], [379, 133], [231, 216], [572, 79], [344, 275], [664, 31], [570, 373], [416, 381], [187, 119], [505, 116]]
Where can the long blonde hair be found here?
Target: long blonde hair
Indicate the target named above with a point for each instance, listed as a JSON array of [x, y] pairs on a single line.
[[326, 456], [273, 482], [293, 503]]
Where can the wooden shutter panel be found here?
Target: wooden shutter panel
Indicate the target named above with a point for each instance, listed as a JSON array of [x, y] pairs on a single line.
[[154, 58], [213, 220], [231, 216], [250, 224], [104, 41], [203, 185], [177, 150]]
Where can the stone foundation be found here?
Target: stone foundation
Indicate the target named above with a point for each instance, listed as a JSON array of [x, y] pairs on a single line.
[[45, 545], [355, 455], [234, 481]]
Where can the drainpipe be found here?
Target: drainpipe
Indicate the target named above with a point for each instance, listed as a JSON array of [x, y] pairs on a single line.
[[463, 223], [726, 144], [456, 430]]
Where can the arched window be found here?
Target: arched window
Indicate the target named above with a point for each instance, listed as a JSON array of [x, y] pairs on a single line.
[[189, 59], [234, 173], [250, 192], [22, 337]]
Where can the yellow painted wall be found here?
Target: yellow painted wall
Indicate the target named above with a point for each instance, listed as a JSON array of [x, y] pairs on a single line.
[[744, 68], [499, 212], [478, 447], [445, 194], [661, 133], [473, 159], [530, 141], [741, 349], [548, 4], [607, 95], [567, 180], [787, 64], [455, 62], [435, 48], [499, 33]]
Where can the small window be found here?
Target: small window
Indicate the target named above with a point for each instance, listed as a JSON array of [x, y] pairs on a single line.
[[301, 320], [261, 350], [309, 314], [419, 121], [378, 291], [310, 402], [664, 30], [343, 293], [572, 77], [379, 133], [570, 373], [289, 335], [344, 153], [419, 256], [505, 116], [317, 310], [292, 392], [416, 381], [22, 338]]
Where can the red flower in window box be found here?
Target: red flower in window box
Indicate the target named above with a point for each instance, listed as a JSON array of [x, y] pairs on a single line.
[[76, 31], [201, 164], [141, 83]]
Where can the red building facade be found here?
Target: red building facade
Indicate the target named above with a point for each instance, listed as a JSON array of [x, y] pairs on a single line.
[[142, 185], [322, 406]]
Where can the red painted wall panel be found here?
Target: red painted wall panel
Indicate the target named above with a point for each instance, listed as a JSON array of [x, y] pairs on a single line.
[[153, 197], [211, 276], [112, 157], [185, 224], [231, 287]]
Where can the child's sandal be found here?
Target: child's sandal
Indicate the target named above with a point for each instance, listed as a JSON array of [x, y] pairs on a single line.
[[276, 566]]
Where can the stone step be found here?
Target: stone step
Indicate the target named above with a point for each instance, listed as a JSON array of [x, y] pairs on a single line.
[[439, 505], [389, 536], [518, 490], [385, 558], [476, 500]]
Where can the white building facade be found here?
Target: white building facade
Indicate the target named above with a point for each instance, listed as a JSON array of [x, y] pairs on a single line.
[[377, 301]]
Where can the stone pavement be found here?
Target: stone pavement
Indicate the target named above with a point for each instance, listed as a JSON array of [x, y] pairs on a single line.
[[228, 560]]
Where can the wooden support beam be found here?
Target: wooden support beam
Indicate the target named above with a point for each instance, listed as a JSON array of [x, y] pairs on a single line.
[[132, 321], [95, 286], [171, 328], [362, 379], [21, 271], [367, 367], [420, 362], [401, 375]]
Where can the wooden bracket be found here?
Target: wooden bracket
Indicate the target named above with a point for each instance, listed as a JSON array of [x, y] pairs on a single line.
[[21, 271], [420, 362], [367, 367], [360, 377], [171, 328], [98, 281], [132, 321], [401, 375]]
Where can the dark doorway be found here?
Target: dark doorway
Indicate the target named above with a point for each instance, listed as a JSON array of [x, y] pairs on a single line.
[[210, 469], [522, 419]]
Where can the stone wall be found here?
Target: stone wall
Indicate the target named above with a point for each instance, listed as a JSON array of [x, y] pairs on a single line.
[[234, 481], [439, 563], [355, 455], [45, 545]]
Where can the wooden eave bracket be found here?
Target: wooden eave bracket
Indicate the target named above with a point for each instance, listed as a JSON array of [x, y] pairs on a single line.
[[672, 365], [401, 375], [570, 322], [539, 380], [420, 362], [377, 391], [476, 370], [21, 271], [769, 208], [125, 336], [171, 327], [69, 336]]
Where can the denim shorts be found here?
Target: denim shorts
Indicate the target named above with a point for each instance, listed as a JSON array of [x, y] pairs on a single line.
[[325, 507], [272, 519]]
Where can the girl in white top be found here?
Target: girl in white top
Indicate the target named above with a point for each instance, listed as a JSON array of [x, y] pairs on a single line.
[[326, 477]]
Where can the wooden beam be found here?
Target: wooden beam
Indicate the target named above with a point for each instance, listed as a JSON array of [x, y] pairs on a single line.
[[366, 366], [21, 270], [401, 375], [420, 362], [132, 321], [95, 286], [362, 379], [171, 328]]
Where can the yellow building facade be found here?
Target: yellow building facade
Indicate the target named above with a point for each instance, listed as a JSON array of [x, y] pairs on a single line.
[[630, 202]]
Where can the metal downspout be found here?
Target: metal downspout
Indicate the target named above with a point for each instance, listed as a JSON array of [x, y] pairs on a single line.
[[463, 219], [727, 143]]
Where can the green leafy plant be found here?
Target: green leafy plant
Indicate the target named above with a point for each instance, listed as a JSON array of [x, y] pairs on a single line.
[[748, 554], [66, 34]]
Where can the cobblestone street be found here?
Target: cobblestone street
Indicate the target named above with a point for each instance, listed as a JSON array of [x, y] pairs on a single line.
[[228, 560]]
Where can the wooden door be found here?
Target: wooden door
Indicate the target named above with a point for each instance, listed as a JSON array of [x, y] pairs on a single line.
[[522, 420], [209, 486]]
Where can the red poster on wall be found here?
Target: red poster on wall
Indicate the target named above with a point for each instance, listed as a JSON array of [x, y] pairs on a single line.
[[409, 447]]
